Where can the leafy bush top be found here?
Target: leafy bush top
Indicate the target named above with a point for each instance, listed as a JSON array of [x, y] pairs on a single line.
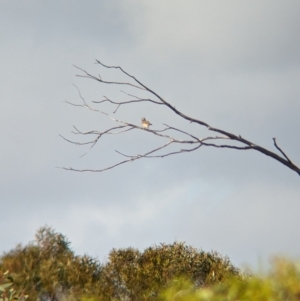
[[48, 266]]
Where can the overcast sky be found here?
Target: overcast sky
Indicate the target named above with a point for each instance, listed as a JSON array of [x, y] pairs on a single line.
[[233, 64]]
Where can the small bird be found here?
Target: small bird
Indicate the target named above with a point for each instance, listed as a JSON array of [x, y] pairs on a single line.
[[145, 123]]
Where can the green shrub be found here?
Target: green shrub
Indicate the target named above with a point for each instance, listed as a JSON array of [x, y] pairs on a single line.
[[134, 275], [47, 268], [7, 292], [282, 283]]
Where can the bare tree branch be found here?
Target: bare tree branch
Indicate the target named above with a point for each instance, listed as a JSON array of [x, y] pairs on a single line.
[[275, 143], [208, 141], [87, 75]]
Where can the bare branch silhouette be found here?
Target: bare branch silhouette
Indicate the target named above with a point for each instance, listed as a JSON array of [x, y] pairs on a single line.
[[237, 142]]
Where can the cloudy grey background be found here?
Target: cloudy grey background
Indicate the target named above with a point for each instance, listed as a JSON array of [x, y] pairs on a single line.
[[232, 64]]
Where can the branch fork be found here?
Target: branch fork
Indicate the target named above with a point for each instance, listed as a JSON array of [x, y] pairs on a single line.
[[161, 151]]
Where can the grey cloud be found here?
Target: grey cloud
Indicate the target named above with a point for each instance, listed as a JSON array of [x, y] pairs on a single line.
[[233, 65]]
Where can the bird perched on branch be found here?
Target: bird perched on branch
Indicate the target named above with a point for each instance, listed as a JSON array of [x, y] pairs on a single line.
[[145, 123]]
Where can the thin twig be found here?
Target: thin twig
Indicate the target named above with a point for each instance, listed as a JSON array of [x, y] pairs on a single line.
[[125, 126], [276, 145]]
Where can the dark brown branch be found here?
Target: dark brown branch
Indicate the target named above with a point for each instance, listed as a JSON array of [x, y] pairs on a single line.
[[227, 146], [155, 94], [276, 145], [246, 144]]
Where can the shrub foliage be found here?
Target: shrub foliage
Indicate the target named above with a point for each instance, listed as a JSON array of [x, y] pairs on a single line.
[[49, 270], [282, 283]]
